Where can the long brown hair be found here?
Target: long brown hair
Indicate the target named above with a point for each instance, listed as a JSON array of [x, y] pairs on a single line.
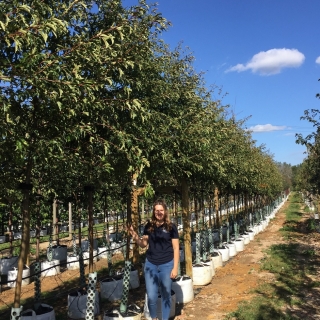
[[167, 225]]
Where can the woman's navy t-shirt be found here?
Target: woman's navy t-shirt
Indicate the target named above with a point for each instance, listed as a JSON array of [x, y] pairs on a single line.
[[160, 248]]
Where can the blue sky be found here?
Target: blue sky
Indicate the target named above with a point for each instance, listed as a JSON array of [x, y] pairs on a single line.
[[263, 54]]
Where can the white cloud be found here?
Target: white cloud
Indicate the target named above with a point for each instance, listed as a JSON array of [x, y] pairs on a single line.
[[318, 60], [266, 128], [271, 62]]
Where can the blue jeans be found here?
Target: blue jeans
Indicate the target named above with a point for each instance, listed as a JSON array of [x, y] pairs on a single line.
[[158, 277]]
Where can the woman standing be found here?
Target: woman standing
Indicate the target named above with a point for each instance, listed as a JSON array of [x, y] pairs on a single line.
[[162, 257]]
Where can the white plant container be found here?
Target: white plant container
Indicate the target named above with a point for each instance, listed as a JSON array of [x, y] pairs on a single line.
[[239, 244], [264, 224], [224, 253], [50, 268], [232, 249], [201, 274], [116, 247], [73, 262], [251, 234], [102, 253], [216, 259], [77, 304], [12, 277], [183, 287], [246, 238], [86, 256], [210, 262]]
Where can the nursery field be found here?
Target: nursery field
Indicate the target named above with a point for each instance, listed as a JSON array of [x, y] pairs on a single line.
[[275, 277]]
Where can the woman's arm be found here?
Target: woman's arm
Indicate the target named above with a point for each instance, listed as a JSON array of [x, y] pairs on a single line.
[[141, 242], [176, 256]]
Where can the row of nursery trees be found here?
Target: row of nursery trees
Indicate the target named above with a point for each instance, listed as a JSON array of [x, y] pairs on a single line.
[[94, 100], [306, 175]]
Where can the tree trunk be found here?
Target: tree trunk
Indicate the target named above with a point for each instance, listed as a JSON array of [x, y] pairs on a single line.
[[90, 227], [25, 240], [70, 220], [216, 206], [186, 226]]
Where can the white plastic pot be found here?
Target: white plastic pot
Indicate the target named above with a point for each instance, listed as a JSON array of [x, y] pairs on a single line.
[[116, 247], [210, 262], [224, 253], [159, 307], [12, 277], [102, 253], [259, 227], [264, 224], [246, 238], [216, 258], [50, 268], [239, 244], [87, 254], [77, 304], [73, 262], [251, 234], [44, 312], [232, 249], [202, 274], [111, 288], [183, 287]]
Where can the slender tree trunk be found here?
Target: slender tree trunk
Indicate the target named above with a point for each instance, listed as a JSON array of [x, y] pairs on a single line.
[[54, 219], [186, 226], [90, 227], [135, 221], [25, 240], [10, 229], [216, 206], [70, 220]]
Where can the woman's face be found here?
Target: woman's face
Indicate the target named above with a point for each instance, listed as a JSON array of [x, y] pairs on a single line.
[[159, 212]]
